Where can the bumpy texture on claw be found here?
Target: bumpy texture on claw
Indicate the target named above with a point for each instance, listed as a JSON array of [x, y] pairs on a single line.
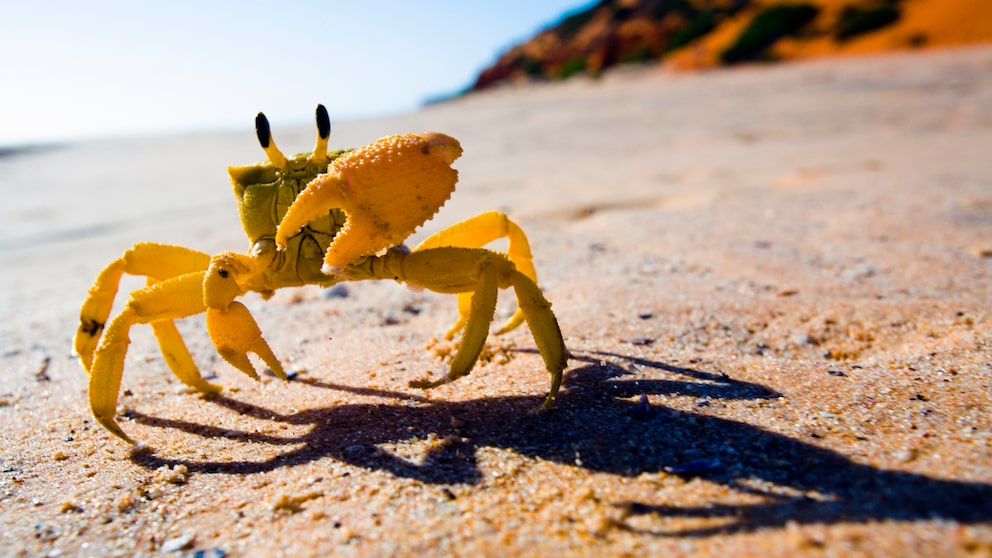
[[386, 190]]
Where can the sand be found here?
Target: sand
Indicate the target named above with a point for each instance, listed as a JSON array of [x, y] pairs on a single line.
[[775, 284]]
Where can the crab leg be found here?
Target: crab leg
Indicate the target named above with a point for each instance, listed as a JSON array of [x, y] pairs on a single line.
[[166, 300], [178, 358], [476, 232], [460, 270], [96, 309], [106, 372], [156, 261], [480, 315], [482, 229], [543, 328]]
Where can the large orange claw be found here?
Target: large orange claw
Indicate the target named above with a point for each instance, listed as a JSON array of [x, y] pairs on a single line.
[[386, 189]]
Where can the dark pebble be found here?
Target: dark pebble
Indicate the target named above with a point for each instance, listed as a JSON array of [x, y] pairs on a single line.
[[336, 291]]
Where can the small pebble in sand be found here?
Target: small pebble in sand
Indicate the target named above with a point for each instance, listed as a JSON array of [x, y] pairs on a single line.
[[179, 474], [294, 504], [178, 543], [859, 271], [70, 507], [42, 374], [337, 291]]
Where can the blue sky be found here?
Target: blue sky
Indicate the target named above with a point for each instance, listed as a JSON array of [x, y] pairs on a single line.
[[74, 70]]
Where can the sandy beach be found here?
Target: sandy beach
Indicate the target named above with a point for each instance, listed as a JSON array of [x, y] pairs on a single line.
[[774, 282]]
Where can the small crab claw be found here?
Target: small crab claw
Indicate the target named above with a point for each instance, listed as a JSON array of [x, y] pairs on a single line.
[[235, 333], [318, 200]]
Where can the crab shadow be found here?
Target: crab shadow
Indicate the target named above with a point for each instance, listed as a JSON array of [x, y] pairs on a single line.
[[600, 424]]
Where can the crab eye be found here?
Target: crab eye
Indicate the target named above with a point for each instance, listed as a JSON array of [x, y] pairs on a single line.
[[263, 131], [319, 154], [264, 134], [323, 122]]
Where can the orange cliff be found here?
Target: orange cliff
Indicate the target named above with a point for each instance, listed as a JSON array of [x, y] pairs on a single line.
[[695, 34]]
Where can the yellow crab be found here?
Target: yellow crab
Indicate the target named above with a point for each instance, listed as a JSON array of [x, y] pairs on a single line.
[[319, 218]]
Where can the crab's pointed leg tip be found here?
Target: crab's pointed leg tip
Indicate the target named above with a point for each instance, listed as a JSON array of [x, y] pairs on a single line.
[[111, 425], [278, 371]]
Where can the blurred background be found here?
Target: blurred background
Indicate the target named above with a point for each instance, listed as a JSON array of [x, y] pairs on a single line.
[[109, 68], [114, 68]]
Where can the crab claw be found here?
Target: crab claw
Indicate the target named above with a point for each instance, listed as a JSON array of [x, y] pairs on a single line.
[[235, 333], [386, 190]]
